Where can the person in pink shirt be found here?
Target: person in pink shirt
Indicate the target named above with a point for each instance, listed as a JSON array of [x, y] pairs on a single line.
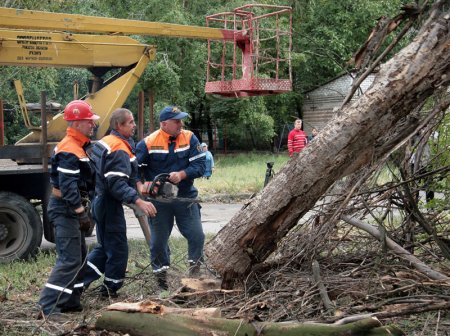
[[297, 139]]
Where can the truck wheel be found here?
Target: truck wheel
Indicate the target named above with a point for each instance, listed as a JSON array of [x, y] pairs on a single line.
[[20, 228]]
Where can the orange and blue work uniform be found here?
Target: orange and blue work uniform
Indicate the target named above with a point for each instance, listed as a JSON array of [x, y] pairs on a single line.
[[116, 178], [71, 176], [161, 153]]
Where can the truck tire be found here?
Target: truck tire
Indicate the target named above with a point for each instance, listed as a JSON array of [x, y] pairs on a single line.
[[20, 228]]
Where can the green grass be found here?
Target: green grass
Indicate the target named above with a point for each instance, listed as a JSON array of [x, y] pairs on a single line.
[[21, 276], [22, 281], [239, 174]]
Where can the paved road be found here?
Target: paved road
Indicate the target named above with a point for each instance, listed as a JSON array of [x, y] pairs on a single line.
[[214, 217]]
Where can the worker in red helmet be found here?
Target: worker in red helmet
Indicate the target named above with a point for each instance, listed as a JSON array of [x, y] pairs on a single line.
[[72, 181], [79, 110]]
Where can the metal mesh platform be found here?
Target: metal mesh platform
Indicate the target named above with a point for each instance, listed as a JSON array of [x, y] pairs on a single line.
[[248, 87]]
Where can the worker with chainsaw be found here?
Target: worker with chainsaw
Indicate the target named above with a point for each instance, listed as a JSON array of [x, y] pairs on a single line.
[[176, 152], [117, 181], [72, 180]]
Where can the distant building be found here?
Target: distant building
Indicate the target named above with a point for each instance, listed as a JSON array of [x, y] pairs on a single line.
[[322, 102]]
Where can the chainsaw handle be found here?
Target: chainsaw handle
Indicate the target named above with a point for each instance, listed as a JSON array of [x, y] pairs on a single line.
[[158, 182], [162, 176]]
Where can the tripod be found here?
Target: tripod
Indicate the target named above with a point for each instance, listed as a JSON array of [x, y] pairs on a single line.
[[269, 173]]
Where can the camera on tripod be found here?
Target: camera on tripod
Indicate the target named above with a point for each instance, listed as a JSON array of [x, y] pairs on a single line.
[[269, 172]]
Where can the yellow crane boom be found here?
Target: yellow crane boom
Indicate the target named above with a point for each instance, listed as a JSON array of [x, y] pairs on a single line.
[[27, 19]]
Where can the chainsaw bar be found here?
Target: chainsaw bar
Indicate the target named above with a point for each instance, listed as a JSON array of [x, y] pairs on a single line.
[[173, 199]]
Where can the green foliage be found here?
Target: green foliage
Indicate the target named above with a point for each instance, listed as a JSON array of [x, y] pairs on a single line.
[[282, 109], [67, 78], [34, 81], [161, 77], [246, 123], [325, 35], [440, 153], [329, 32]]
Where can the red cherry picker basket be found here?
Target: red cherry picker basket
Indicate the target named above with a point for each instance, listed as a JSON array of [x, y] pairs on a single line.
[[256, 59]]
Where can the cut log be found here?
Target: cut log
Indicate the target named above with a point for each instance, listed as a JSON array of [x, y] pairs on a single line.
[[151, 307], [206, 297], [350, 141], [190, 284], [140, 324]]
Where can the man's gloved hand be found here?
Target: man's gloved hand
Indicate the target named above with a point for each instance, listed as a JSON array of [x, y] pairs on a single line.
[[84, 220]]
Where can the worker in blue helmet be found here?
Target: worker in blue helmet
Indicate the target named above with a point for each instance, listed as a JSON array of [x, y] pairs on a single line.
[[177, 152]]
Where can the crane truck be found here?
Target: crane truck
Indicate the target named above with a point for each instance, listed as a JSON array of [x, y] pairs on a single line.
[[100, 44]]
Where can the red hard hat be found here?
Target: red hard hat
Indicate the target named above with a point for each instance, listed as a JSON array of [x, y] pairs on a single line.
[[79, 110]]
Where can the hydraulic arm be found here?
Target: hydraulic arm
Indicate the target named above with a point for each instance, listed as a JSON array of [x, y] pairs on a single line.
[[248, 53], [96, 53]]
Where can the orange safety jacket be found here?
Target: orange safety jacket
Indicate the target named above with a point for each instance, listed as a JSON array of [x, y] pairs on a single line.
[[161, 153], [116, 167], [70, 167]]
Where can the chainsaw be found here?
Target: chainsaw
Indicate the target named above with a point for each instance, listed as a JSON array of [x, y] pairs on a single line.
[[162, 190]]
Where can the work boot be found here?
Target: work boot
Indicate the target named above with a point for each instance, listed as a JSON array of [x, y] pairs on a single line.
[[194, 268], [72, 309], [54, 317], [161, 279], [73, 304], [106, 293]]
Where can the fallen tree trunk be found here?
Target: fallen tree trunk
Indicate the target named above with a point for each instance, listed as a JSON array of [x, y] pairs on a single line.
[[350, 141], [141, 324]]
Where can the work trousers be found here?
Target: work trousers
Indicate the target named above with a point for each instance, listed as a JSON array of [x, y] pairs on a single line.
[[110, 256], [188, 219], [64, 286]]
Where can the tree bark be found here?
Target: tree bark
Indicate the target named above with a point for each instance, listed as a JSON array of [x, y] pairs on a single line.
[[141, 324], [350, 141]]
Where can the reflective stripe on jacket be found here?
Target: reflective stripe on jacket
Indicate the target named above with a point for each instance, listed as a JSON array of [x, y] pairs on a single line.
[[160, 153], [70, 167], [118, 173]]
